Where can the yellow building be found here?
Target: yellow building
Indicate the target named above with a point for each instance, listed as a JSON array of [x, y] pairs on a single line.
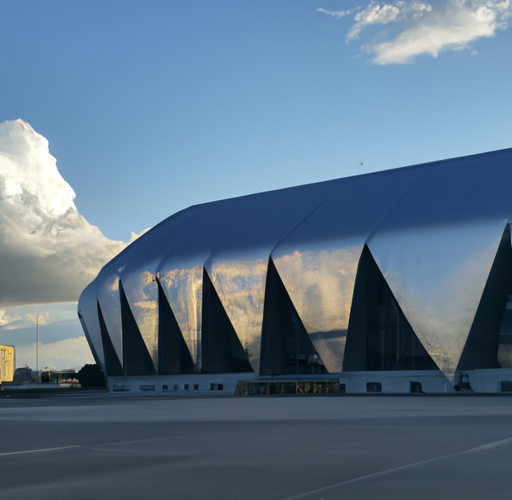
[[7, 362]]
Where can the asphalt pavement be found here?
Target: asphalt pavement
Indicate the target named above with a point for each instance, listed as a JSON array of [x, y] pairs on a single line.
[[106, 447]]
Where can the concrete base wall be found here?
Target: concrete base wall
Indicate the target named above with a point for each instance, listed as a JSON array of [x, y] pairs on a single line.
[[223, 384], [399, 382]]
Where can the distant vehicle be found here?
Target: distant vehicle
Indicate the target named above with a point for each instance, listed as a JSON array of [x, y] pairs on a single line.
[[7, 363]]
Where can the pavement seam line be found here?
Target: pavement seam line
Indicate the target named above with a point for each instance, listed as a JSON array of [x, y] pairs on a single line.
[[38, 451], [488, 446]]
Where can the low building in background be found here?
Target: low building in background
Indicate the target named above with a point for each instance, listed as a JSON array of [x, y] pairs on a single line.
[[395, 281], [60, 377], [24, 376]]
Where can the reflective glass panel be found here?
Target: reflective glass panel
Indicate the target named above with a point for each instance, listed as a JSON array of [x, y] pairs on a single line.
[[437, 275], [108, 297], [240, 285], [184, 289], [320, 281], [141, 292], [318, 260]]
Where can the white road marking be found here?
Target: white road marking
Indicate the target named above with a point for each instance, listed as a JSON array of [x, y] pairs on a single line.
[[488, 446], [491, 445], [38, 451]]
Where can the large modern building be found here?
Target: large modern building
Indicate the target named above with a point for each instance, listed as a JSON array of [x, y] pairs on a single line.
[[394, 281]]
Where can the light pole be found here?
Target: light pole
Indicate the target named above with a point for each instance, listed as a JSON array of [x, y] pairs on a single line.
[[37, 345]]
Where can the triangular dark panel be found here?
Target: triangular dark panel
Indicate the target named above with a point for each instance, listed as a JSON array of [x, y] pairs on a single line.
[[285, 344], [481, 349], [136, 358], [379, 336], [173, 355], [97, 359], [221, 350], [113, 366]]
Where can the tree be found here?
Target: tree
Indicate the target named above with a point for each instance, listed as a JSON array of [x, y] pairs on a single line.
[[91, 376]]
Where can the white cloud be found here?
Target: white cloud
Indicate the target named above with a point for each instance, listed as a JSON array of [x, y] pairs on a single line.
[[58, 332], [23, 317], [40, 319], [48, 251], [460, 24], [385, 13], [135, 236], [7, 317], [338, 13], [409, 29], [68, 353], [374, 14]]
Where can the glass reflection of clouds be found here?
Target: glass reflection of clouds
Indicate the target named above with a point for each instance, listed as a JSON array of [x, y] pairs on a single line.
[[141, 292], [108, 297], [240, 285], [184, 290], [320, 281], [437, 274]]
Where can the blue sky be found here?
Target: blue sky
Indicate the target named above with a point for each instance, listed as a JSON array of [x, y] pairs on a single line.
[[150, 107]]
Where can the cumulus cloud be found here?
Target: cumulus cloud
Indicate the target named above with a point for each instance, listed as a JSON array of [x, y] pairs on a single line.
[[386, 13], [48, 251], [407, 29]]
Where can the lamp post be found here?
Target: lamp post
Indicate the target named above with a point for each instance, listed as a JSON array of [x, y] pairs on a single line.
[[37, 345]]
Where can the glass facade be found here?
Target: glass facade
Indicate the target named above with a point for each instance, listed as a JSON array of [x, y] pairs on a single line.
[[437, 275], [379, 336], [240, 284], [141, 292], [183, 288], [408, 269], [320, 283]]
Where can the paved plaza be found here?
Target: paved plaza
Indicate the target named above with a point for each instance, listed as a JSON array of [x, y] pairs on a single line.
[[423, 447]]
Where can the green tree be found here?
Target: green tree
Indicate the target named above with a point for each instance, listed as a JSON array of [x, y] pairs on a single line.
[[91, 376]]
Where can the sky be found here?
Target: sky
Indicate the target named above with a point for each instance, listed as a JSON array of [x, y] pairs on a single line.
[[132, 111]]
